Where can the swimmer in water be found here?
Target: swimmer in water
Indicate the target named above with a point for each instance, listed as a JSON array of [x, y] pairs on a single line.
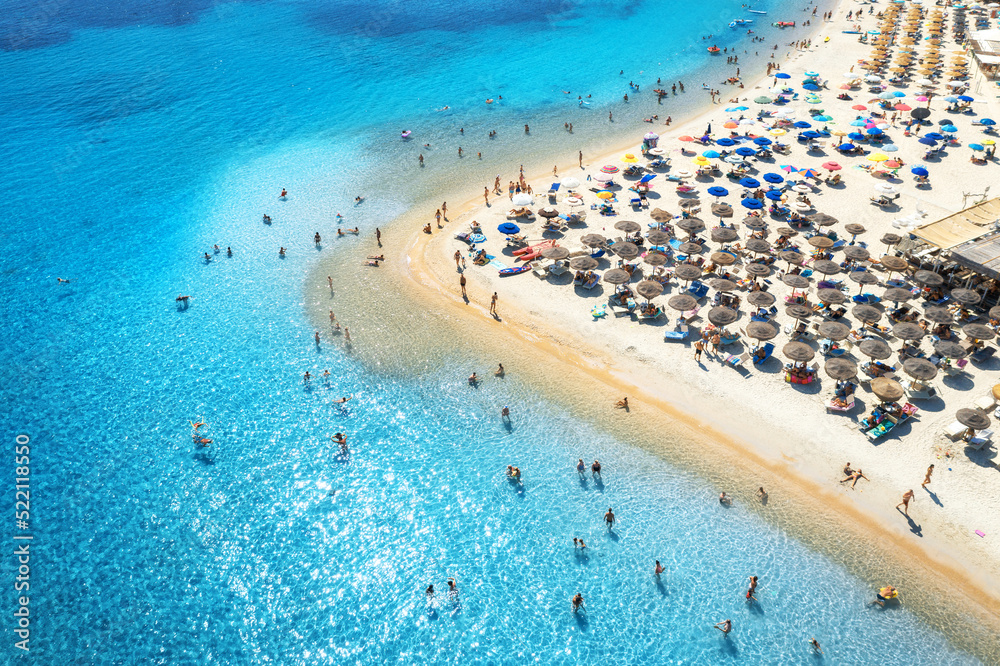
[[505, 413], [429, 592], [63, 280], [500, 371], [452, 589], [371, 262], [284, 193], [581, 468], [473, 380], [595, 469], [725, 626], [342, 400], [281, 251], [658, 569], [725, 499], [815, 645], [577, 602], [753, 588], [340, 439], [182, 298]]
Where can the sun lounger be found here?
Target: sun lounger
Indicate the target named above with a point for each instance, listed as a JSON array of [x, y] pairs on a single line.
[[680, 332], [768, 350], [832, 407], [985, 403], [734, 361], [698, 289], [983, 354], [981, 439]]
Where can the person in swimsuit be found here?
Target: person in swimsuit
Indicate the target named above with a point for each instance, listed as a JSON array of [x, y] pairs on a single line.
[[595, 469], [658, 569], [577, 602], [342, 400], [609, 518], [725, 499], [581, 468], [500, 371], [473, 380], [753, 588], [430, 592], [815, 645], [725, 626]]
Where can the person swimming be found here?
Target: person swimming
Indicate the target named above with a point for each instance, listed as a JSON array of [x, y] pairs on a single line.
[[473, 379], [577, 602]]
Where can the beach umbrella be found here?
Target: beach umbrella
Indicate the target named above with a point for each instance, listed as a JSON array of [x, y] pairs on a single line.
[[811, 134], [823, 220], [919, 171], [857, 253], [938, 315], [625, 250], [798, 311], [627, 226], [630, 158], [522, 200], [655, 258], [897, 294], [602, 178], [724, 234], [978, 332], [692, 225], [802, 189], [966, 296], [509, 228], [787, 232], [752, 204], [826, 267], [874, 348], [651, 136], [604, 194], [726, 141], [689, 204], [841, 369], [890, 148], [777, 132], [987, 122], [556, 252], [798, 351], [745, 151], [845, 147], [831, 166], [761, 299], [749, 182], [866, 313], [754, 223], [854, 228], [973, 418], [570, 183], [937, 136], [774, 195], [757, 270], [583, 263], [593, 240], [834, 330], [821, 242], [791, 256], [723, 258], [758, 245], [977, 147], [687, 272], [685, 138], [831, 296], [682, 302], [892, 239], [609, 168], [920, 114], [782, 75], [858, 123], [548, 212], [762, 99], [788, 168], [690, 248], [649, 289], [722, 316], [761, 330], [965, 98], [712, 154], [616, 276], [920, 369], [717, 191], [863, 278], [801, 124], [908, 331], [722, 210], [928, 278], [660, 215], [773, 178], [888, 390], [949, 349], [950, 129], [795, 281], [657, 237], [763, 141]]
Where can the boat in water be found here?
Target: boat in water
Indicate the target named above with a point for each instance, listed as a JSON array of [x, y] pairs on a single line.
[[739, 22]]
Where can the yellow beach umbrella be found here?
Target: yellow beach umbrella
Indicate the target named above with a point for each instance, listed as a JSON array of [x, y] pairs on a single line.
[[629, 159], [878, 157], [605, 195], [988, 142], [777, 131]]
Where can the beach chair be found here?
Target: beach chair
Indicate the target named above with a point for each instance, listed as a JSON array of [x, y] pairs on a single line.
[[734, 361], [553, 191], [980, 439], [832, 407], [768, 350], [698, 289], [983, 354], [985, 403], [679, 333], [954, 430]]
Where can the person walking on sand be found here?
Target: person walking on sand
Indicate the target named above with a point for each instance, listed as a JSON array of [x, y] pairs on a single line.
[[378, 236], [609, 518], [444, 210], [927, 477], [493, 304], [581, 159], [486, 195], [716, 343], [437, 217], [458, 260], [461, 282], [699, 347], [907, 496]]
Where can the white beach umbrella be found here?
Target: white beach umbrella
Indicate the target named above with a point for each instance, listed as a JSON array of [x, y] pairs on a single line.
[[883, 188], [603, 177], [802, 206], [683, 173], [747, 121], [803, 189], [570, 183], [924, 82], [955, 84], [871, 78], [656, 151], [522, 199]]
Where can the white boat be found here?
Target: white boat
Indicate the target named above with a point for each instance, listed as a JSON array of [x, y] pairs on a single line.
[[756, 11]]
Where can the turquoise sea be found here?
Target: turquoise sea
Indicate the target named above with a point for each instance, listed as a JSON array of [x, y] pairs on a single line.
[[139, 134]]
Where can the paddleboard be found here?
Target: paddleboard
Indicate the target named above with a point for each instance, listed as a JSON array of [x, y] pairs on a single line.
[[515, 270]]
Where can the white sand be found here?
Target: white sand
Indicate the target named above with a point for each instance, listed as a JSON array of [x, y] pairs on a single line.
[[783, 422]]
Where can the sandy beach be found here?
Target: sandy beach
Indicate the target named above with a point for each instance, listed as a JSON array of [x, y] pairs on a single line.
[[764, 430]]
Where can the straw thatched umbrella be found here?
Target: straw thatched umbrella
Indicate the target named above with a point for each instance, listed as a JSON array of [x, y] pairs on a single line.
[[593, 240], [897, 294], [761, 299], [723, 258], [787, 232], [841, 369], [966, 296], [920, 369], [557, 252], [995, 312], [689, 204], [626, 250], [724, 234], [692, 225], [976, 419], [866, 313], [722, 284], [830, 296], [826, 267], [627, 226], [722, 316], [891, 239], [690, 248], [649, 289], [893, 264], [660, 215], [876, 349], [757, 270], [950, 349], [655, 259], [754, 223], [834, 330], [908, 331], [758, 246], [616, 276], [928, 278], [795, 281], [798, 311], [791, 256], [978, 332], [822, 219], [761, 330], [821, 242], [888, 390], [683, 302], [856, 253], [722, 210], [854, 228], [583, 263], [798, 351], [548, 212], [657, 237], [863, 278], [938, 315], [687, 272]]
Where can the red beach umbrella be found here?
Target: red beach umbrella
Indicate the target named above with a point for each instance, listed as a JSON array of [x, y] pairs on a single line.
[[832, 166]]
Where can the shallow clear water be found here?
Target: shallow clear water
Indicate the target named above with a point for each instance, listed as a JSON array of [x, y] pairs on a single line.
[[138, 136]]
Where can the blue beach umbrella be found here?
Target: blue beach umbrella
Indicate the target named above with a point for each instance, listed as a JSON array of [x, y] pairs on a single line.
[[710, 153], [965, 98], [801, 124], [976, 146], [508, 228], [934, 135], [811, 134], [858, 123], [810, 86], [726, 141], [873, 131], [897, 94], [889, 148], [919, 171], [749, 182], [845, 147], [856, 136], [949, 128], [762, 141], [648, 177], [927, 141], [822, 119], [812, 74], [782, 75], [752, 204], [773, 195], [951, 99], [718, 191], [745, 151], [773, 178], [988, 122]]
